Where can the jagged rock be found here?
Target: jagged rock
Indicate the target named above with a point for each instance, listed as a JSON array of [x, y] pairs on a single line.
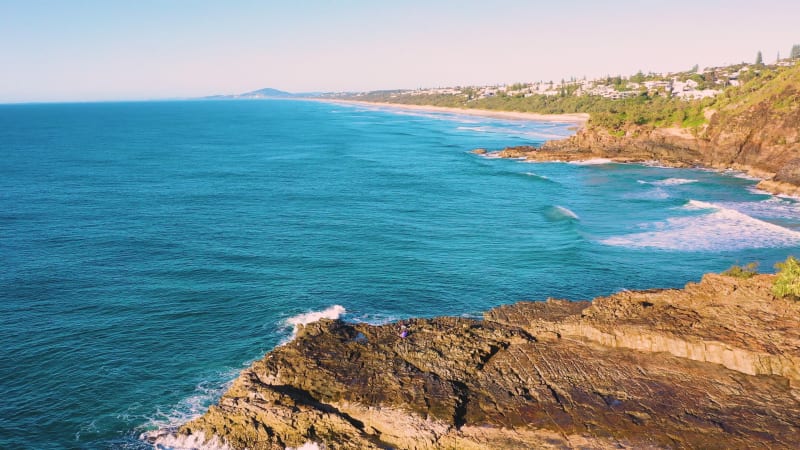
[[714, 365]]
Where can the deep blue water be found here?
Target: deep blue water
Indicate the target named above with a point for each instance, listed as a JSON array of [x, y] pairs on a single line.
[[150, 251]]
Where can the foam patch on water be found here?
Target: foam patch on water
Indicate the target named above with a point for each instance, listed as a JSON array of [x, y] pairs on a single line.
[[535, 175], [488, 155], [657, 193], [740, 174], [592, 162], [535, 134], [372, 318], [669, 182], [718, 229], [165, 422], [332, 312], [196, 441], [771, 208]]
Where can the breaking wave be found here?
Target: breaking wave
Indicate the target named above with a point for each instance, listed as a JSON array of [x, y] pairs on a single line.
[[656, 193], [669, 182], [592, 162], [719, 229], [163, 424], [559, 213], [332, 312]]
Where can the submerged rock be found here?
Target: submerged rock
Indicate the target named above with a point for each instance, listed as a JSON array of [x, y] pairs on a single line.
[[715, 365]]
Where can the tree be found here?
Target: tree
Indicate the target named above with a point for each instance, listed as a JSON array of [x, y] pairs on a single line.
[[795, 53], [759, 59]]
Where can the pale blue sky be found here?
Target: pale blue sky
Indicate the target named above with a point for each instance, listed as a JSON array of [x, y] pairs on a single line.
[[83, 50]]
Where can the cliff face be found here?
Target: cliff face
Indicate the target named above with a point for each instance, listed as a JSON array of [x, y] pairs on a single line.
[[715, 365], [759, 134]]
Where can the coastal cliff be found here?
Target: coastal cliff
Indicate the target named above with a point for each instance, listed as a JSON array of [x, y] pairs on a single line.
[[758, 133], [714, 365]]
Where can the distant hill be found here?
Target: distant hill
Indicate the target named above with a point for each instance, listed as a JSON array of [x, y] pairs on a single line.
[[259, 94], [267, 93]]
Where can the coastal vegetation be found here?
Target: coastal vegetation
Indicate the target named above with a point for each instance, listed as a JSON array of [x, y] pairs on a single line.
[[617, 104], [745, 271], [787, 283]]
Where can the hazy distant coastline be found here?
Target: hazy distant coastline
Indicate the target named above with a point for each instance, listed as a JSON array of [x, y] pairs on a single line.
[[577, 118]]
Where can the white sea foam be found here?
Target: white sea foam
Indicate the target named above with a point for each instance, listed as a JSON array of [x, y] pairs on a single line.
[[164, 422], [592, 162], [753, 189], [695, 205], [657, 193], [535, 134], [558, 213], [656, 164], [740, 174], [771, 208], [308, 445], [535, 175], [195, 441], [669, 182], [372, 318], [719, 229], [332, 312]]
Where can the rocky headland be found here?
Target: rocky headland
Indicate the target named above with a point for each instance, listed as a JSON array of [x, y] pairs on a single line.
[[713, 365], [758, 134]]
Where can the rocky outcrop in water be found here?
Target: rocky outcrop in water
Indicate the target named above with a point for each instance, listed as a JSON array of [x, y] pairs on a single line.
[[715, 365]]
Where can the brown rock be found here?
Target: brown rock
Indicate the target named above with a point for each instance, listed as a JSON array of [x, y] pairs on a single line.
[[714, 365]]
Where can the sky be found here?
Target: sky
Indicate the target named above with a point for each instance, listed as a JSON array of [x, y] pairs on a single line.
[[103, 50]]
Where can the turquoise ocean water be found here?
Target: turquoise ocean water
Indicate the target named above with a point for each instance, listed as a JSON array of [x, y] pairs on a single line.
[[150, 251]]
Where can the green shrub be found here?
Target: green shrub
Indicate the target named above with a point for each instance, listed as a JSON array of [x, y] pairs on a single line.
[[788, 282], [745, 271]]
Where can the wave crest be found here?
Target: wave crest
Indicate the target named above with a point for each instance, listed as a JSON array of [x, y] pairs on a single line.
[[592, 162], [669, 182], [332, 312], [720, 229], [559, 213]]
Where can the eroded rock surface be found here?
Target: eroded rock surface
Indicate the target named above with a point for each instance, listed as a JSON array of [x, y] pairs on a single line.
[[714, 365]]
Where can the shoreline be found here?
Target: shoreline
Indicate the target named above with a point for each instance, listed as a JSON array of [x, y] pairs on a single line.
[[764, 181], [579, 119]]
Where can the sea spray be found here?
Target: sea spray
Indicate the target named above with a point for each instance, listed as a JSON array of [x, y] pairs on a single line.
[[332, 312]]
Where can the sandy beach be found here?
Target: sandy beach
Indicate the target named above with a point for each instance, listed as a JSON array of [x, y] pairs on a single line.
[[577, 118]]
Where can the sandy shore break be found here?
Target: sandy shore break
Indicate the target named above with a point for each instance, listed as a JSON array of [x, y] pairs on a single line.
[[577, 118]]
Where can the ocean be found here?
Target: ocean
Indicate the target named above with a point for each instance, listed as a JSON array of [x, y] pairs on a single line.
[[150, 251]]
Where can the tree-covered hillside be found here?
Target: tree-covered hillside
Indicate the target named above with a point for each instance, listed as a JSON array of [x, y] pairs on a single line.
[[643, 107]]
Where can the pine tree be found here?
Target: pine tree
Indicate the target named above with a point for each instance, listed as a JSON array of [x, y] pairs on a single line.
[[759, 59], [795, 53]]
